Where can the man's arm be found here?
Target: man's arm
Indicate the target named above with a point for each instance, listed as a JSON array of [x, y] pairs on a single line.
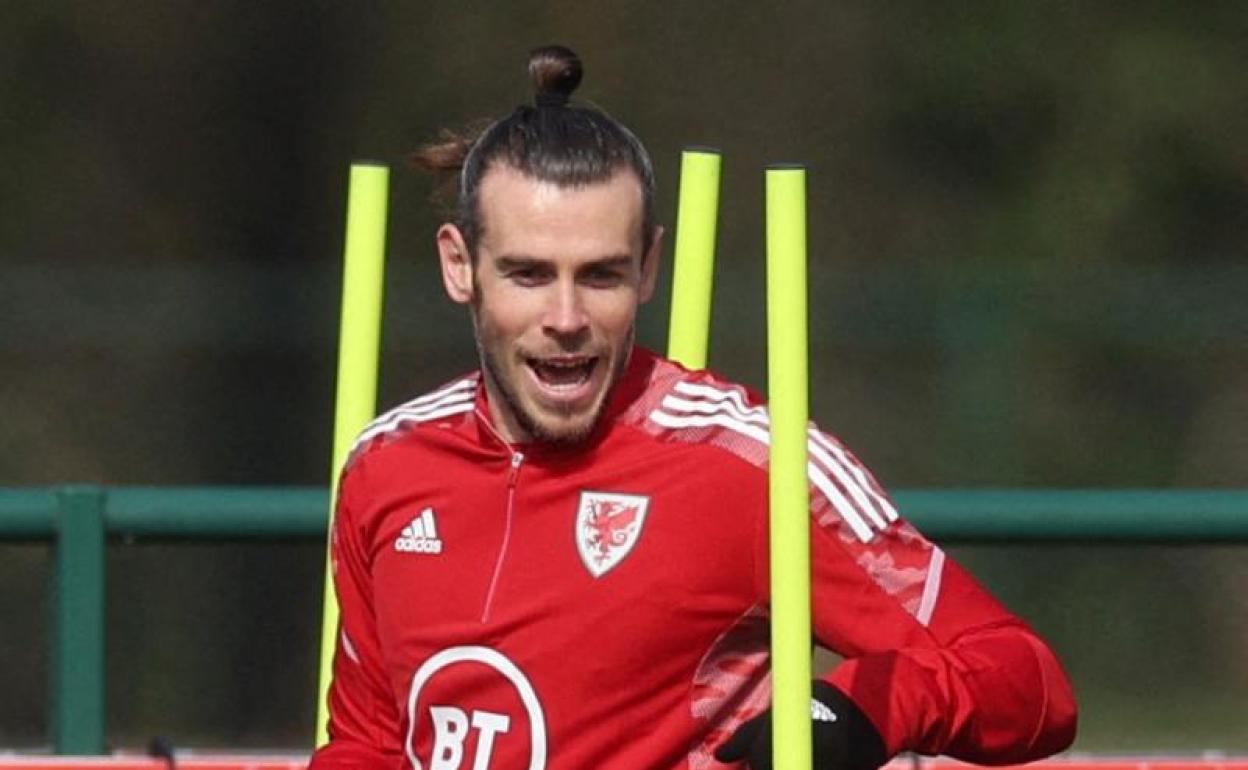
[[976, 683], [936, 664], [363, 716]]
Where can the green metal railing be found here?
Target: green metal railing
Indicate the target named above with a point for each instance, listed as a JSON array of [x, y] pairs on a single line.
[[79, 520]]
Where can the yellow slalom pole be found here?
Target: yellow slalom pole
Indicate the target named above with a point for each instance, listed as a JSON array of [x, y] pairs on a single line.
[[789, 490], [694, 269], [359, 344]]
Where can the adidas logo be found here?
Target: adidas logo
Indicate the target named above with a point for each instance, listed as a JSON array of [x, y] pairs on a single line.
[[421, 536]]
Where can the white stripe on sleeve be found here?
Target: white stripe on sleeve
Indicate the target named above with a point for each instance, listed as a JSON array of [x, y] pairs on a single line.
[[817, 476], [452, 401], [931, 588], [831, 457], [349, 648], [887, 507]]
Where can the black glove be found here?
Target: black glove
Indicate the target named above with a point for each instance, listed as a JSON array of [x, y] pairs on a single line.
[[844, 739]]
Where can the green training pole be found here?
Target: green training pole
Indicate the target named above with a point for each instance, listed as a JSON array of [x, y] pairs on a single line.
[[694, 269], [789, 490], [359, 343]]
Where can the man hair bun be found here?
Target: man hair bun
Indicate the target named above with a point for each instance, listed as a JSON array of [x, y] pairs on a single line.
[[556, 72]]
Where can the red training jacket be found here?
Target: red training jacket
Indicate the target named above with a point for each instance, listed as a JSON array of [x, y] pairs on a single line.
[[606, 607]]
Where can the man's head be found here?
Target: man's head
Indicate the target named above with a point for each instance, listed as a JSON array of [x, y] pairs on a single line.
[[553, 248]]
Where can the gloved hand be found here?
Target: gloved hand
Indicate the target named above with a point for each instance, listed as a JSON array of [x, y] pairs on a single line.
[[844, 738]]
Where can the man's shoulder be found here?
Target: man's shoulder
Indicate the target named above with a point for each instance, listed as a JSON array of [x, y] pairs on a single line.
[[697, 407], [700, 407], [663, 376], [446, 406]]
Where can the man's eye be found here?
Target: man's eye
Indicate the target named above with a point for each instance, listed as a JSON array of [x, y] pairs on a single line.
[[604, 277], [526, 275]]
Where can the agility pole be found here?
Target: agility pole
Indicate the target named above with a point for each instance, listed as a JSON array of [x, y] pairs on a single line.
[[694, 269], [788, 395], [359, 344]]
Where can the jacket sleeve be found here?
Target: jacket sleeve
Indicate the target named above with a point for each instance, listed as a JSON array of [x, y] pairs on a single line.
[[363, 715], [936, 663]]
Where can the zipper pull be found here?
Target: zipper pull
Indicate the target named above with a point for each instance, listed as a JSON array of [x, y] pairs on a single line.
[[516, 459]]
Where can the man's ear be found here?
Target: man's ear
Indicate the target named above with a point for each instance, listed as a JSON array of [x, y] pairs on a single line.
[[456, 264], [650, 265]]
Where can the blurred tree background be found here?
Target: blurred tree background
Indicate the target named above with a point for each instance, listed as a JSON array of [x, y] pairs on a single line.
[[1028, 241]]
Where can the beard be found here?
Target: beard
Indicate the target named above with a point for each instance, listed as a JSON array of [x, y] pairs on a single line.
[[563, 431]]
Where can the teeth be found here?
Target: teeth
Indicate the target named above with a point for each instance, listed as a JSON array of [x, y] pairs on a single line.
[[563, 373]]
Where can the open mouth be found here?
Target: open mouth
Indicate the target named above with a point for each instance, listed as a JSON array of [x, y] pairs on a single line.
[[563, 374]]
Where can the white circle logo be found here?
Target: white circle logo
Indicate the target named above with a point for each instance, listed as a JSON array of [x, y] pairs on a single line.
[[499, 662]]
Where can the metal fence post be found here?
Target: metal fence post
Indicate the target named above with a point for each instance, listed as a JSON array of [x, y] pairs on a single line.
[[78, 622]]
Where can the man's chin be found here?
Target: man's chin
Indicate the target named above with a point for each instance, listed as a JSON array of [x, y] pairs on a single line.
[[562, 430]]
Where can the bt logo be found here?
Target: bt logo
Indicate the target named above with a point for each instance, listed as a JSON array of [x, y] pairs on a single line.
[[464, 738], [451, 727]]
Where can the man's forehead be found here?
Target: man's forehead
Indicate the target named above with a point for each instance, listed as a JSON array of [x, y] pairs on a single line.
[[515, 206]]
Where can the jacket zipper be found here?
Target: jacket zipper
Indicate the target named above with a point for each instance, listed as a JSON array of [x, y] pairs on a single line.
[[512, 474]]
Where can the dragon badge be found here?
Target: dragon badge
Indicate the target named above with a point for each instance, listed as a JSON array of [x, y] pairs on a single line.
[[607, 527]]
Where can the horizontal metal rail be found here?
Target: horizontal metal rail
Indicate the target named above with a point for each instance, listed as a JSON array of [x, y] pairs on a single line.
[[961, 515], [1090, 516], [78, 520], [193, 513]]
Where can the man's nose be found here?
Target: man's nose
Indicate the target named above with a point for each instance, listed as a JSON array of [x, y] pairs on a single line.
[[565, 314]]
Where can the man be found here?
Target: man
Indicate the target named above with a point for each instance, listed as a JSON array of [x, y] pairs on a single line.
[[561, 561]]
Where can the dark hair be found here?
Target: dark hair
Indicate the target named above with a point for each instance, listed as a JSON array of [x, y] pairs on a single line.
[[552, 141]]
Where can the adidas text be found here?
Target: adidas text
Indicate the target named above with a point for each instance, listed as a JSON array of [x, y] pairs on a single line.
[[412, 545]]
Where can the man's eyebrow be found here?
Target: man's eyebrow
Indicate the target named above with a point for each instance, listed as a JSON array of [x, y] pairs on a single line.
[[610, 263], [512, 262], [507, 262]]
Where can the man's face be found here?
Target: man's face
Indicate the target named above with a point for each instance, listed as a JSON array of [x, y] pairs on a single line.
[[554, 289]]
